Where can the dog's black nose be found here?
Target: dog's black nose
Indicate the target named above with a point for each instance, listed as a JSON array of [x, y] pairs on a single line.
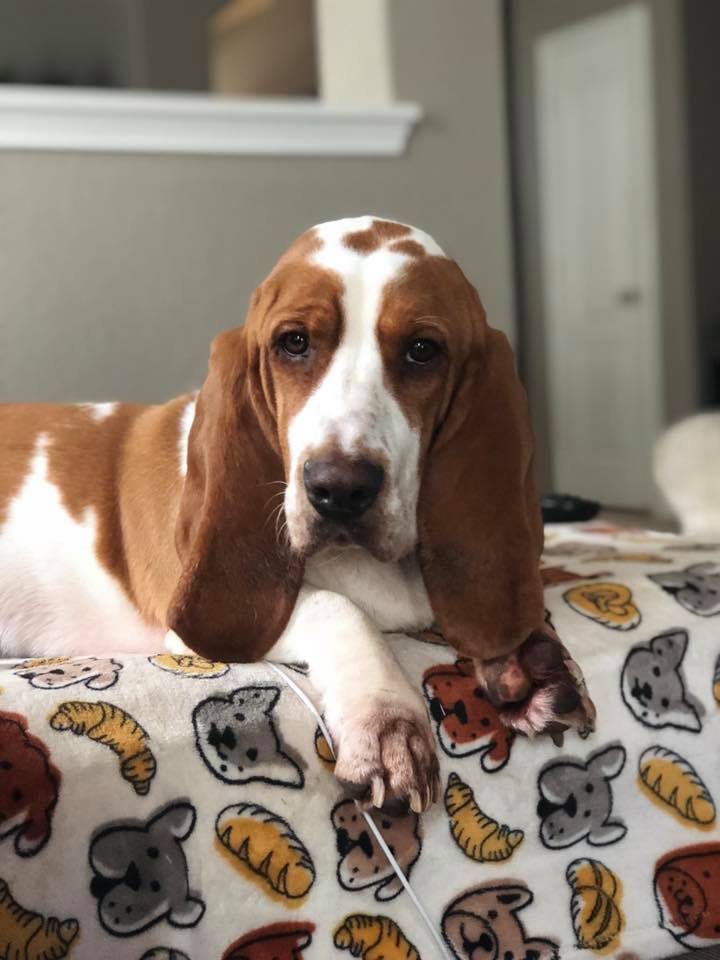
[[342, 489]]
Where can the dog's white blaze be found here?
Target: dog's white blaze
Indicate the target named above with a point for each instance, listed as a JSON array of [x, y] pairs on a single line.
[[100, 411], [186, 422], [54, 594], [351, 406]]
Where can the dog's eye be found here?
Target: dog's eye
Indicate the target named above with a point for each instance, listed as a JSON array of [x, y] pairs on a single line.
[[421, 351], [295, 343]]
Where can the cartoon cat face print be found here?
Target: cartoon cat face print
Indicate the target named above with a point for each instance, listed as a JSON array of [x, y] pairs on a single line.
[[652, 685], [576, 800], [140, 874], [237, 738], [696, 588]]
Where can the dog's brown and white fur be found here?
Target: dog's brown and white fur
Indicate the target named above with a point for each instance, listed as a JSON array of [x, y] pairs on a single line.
[[125, 527]]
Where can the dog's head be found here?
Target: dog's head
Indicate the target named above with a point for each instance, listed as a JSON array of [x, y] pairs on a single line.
[[365, 403], [362, 862]]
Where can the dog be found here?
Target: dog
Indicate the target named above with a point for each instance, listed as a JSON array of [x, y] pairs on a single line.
[[140, 874], [484, 923], [696, 588], [576, 800], [362, 862], [358, 460]]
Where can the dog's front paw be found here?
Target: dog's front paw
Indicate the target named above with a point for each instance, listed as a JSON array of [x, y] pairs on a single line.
[[386, 756], [539, 689]]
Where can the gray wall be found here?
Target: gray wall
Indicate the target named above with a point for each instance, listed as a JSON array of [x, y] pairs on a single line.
[[115, 271], [530, 19]]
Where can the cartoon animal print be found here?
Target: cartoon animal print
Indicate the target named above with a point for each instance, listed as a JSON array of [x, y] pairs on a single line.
[[373, 938], [652, 684], [266, 845], [466, 721], [322, 748], [26, 935], [190, 665], [696, 588], [613, 555], [164, 953], [362, 862], [609, 604], [479, 837], [669, 777], [484, 923], [53, 673], [552, 576], [277, 941], [693, 547], [237, 738], [687, 890], [576, 801], [597, 918], [140, 874], [112, 726], [29, 785], [568, 548]]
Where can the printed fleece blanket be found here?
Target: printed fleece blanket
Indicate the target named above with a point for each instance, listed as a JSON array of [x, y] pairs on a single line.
[[172, 808]]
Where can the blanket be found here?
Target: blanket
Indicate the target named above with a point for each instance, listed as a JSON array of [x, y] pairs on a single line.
[[172, 808]]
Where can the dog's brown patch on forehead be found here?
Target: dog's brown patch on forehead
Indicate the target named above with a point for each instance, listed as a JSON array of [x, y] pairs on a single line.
[[434, 289], [411, 248], [377, 234]]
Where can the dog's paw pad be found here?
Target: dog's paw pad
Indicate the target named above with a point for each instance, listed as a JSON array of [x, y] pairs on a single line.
[[539, 689]]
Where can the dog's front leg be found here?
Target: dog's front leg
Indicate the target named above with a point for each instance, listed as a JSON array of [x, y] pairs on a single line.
[[383, 741]]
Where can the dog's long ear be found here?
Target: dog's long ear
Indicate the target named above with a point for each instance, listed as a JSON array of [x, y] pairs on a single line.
[[479, 519], [238, 583]]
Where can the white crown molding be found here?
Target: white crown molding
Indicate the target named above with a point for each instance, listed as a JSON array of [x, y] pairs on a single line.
[[38, 118]]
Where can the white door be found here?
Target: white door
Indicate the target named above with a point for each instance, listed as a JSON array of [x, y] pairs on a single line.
[[599, 253]]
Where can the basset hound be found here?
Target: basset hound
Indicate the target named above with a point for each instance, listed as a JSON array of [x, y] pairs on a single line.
[[358, 461]]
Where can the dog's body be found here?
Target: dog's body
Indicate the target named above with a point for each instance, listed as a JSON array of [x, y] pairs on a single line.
[[123, 528]]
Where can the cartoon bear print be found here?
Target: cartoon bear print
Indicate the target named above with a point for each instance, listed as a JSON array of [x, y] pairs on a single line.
[[696, 588], [576, 800], [652, 685], [237, 738], [467, 722], [29, 785], [53, 673], [362, 862], [483, 924], [277, 941], [140, 874]]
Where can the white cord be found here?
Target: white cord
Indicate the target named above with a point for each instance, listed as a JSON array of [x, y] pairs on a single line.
[[370, 822]]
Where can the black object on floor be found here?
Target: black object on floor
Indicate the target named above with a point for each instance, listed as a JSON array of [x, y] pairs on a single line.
[[565, 508]]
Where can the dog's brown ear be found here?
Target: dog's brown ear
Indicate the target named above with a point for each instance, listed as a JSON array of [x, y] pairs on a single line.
[[238, 583], [479, 519]]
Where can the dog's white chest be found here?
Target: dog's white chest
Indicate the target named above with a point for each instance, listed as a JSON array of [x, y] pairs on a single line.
[[393, 595], [54, 593]]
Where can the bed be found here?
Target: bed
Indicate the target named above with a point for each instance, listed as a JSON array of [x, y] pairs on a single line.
[[173, 808]]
